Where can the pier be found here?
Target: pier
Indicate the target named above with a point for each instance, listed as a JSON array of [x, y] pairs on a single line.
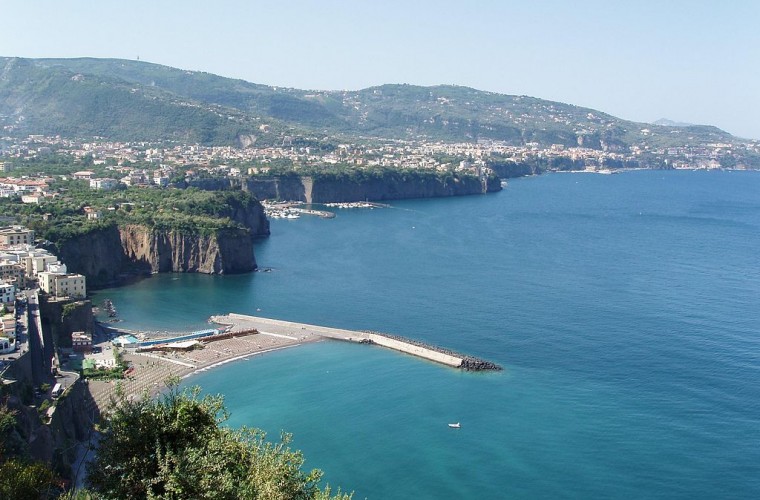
[[305, 332]]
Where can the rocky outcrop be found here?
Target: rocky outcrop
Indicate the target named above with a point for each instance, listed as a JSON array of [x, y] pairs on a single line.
[[53, 440]]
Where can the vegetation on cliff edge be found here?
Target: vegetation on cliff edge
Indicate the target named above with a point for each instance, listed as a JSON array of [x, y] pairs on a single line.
[[189, 211], [170, 447], [175, 446]]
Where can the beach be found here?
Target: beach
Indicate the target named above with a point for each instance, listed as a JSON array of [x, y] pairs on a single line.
[[150, 370]]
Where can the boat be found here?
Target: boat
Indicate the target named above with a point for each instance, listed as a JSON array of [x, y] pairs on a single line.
[[455, 426]]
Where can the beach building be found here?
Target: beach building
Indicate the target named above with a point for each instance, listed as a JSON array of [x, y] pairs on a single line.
[[81, 342], [71, 285], [125, 341]]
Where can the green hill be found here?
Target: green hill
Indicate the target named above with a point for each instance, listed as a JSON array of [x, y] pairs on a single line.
[[123, 99]]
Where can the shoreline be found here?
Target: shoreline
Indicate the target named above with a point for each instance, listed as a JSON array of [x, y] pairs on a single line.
[[255, 336], [150, 370]]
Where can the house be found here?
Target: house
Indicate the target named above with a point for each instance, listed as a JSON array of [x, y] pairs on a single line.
[[160, 180], [104, 184], [7, 293], [83, 175], [81, 342], [34, 198], [7, 345], [92, 213], [13, 273], [16, 235]]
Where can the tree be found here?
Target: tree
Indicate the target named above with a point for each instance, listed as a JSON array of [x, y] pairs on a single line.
[[175, 447], [26, 480]]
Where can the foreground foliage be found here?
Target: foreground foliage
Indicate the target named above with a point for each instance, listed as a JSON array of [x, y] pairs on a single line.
[[175, 447]]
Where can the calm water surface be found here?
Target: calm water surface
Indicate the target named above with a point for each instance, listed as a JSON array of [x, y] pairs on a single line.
[[624, 309]]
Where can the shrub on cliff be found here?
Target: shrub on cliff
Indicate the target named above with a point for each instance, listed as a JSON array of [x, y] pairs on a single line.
[[175, 447]]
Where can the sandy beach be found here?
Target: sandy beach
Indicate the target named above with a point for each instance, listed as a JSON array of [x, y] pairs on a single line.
[[151, 369]]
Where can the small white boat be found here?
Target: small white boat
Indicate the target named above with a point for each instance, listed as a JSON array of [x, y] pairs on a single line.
[[455, 426]]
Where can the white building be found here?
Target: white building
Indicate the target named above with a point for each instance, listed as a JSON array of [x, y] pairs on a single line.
[[34, 198], [57, 268], [63, 285], [105, 184], [92, 213], [39, 262], [7, 293], [7, 345], [71, 285]]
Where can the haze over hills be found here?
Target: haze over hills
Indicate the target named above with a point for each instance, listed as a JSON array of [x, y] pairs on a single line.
[[134, 100]]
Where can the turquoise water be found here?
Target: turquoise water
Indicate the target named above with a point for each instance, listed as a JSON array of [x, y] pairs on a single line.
[[624, 309]]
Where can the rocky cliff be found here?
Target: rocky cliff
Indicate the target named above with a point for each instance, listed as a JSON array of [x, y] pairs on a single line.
[[226, 251], [396, 186], [112, 255], [359, 186]]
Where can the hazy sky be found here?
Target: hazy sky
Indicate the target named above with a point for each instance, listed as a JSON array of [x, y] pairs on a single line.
[[694, 61]]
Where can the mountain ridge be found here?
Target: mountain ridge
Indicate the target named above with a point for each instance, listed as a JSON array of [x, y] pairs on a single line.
[[123, 99]]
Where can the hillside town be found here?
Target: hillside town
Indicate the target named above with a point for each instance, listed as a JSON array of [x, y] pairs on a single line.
[[110, 163], [27, 269]]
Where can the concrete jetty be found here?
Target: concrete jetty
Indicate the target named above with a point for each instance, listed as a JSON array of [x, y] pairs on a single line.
[[304, 332]]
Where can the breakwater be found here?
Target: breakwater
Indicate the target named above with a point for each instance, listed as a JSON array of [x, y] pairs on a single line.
[[303, 330], [465, 362]]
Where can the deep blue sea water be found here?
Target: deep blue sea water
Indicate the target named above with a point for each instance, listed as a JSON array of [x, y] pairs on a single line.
[[625, 309]]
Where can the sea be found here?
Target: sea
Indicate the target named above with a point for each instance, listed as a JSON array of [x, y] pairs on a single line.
[[625, 310]]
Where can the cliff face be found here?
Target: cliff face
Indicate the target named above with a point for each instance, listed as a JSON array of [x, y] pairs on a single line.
[[172, 251], [281, 187], [395, 187], [391, 185], [109, 256]]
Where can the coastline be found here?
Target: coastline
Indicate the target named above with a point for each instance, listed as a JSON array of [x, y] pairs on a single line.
[[251, 336]]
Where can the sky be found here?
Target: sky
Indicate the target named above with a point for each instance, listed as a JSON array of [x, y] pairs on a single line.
[[691, 61]]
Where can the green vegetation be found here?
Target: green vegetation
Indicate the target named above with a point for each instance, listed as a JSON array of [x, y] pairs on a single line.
[[189, 211], [68, 310], [115, 373], [176, 447], [26, 480]]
